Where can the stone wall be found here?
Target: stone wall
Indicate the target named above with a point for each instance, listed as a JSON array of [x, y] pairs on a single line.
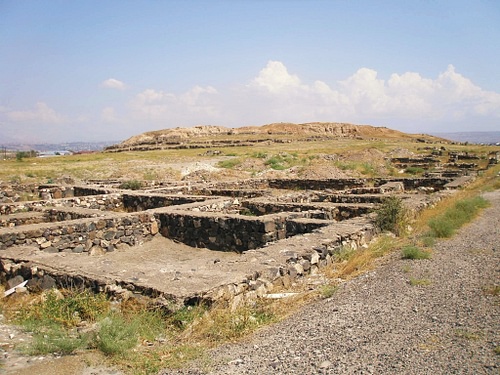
[[23, 218], [83, 235], [224, 233], [299, 263], [329, 212], [435, 183], [135, 202], [353, 183], [107, 202], [304, 184]]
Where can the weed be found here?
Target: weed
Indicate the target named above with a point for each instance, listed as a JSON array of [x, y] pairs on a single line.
[[413, 252], [496, 350], [150, 175], [392, 216], [55, 339], [229, 164], [462, 212], [349, 262], [117, 335], [414, 170], [184, 317], [328, 290], [406, 268], [419, 282], [432, 343], [344, 254], [428, 241], [53, 320], [246, 212], [166, 356], [222, 325], [259, 155], [344, 165], [276, 163], [15, 179], [131, 185], [281, 161], [492, 290], [66, 311], [367, 169], [468, 335]]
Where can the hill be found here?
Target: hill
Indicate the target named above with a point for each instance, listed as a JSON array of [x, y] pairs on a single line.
[[216, 136]]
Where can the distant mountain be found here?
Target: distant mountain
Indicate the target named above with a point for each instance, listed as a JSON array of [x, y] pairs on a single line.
[[472, 137], [220, 136]]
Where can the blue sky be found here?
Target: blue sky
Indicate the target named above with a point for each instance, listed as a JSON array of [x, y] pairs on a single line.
[[106, 70]]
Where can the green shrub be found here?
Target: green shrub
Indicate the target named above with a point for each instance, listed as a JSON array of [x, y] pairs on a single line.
[[185, 316], [281, 161], [413, 252], [229, 164], [276, 162], [428, 241], [367, 168], [53, 320], [66, 311], [392, 216], [20, 155], [343, 254], [131, 185], [56, 339], [259, 155]]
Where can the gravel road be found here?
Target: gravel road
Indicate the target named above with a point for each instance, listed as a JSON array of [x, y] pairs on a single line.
[[382, 323]]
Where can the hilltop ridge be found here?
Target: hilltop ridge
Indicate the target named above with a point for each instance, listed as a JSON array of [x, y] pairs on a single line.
[[213, 135]]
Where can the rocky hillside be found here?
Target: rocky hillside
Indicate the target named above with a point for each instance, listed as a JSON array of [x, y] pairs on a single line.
[[219, 136]]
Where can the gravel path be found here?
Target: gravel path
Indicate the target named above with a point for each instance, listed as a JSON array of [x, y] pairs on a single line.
[[380, 323]]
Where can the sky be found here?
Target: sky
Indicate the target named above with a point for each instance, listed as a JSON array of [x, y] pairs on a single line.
[[102, 70]]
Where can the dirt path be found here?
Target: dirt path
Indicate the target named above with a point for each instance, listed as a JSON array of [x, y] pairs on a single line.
[[380, 323]]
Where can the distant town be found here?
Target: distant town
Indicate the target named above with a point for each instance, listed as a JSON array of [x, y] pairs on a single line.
[[10, 150]]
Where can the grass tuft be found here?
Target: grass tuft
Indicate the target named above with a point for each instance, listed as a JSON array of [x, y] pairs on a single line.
[[462, 212], [117, 335], [131, 185], [414, 252], [230, 163], [328, 290], [419, 282]]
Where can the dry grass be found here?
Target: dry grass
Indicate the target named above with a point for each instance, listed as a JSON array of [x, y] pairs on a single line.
[[165, 164], [362, 260]]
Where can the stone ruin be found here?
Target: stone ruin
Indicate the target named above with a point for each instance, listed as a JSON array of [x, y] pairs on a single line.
[[182, 243]]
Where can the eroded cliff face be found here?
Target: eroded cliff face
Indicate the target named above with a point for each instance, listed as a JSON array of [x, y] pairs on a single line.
[[213, 136]]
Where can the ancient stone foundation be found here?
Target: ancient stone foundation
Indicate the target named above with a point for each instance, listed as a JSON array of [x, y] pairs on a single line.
[[313, 219]]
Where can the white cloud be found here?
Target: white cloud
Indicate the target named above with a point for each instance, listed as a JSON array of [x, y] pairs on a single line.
[[41, 113], [367, 98], [197, 105], [406, 101], [402, 101], [113, 83], [275, 78]]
